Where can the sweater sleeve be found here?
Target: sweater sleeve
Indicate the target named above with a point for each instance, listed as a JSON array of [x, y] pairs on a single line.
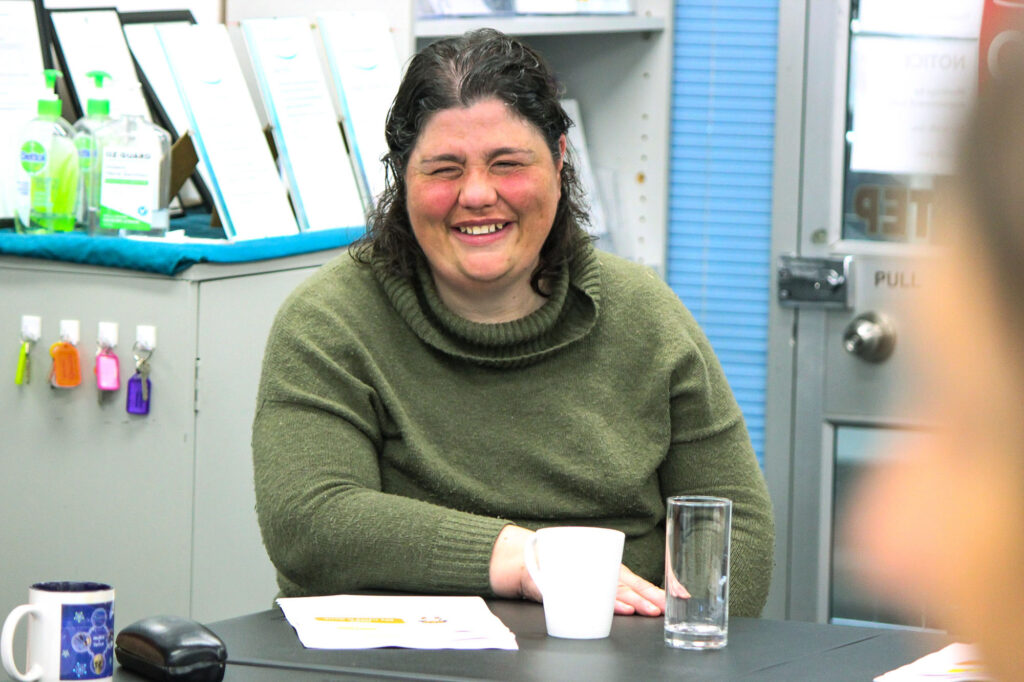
[[711, 454], [327, 526]]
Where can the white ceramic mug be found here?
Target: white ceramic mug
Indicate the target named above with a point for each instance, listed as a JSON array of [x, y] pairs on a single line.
[[577, 571], [70, 633]]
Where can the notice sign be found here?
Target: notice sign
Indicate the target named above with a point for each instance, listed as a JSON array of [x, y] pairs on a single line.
[[910, 99], [946, 18]]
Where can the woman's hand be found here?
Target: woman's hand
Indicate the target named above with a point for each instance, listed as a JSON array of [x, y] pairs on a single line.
[[636, 595], [509, 578]]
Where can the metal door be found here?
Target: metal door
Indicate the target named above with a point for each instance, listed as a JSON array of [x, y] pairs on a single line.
[[870, 95]]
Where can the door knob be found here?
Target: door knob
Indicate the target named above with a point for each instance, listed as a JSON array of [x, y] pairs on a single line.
[[870, 337]]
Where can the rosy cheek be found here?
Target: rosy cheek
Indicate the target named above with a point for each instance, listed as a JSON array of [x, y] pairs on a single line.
[[432, 200], [520, 189]]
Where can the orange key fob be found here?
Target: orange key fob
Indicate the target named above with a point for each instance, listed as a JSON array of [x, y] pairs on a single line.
[[67, 366]]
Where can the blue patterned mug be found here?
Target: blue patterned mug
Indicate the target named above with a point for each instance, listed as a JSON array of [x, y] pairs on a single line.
[[70, 633]]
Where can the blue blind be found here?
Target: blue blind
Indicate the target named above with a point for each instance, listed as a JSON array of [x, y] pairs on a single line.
[[720, 184]]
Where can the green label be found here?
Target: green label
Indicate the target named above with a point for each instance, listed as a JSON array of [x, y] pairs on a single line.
[[33, 156], [110, 219]]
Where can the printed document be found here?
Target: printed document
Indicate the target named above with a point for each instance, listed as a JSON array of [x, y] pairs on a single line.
[[366, 74], [955, 663], [93, 41], [21, 80], [910, 100], [368, 622], [247, 190], [309, 142]]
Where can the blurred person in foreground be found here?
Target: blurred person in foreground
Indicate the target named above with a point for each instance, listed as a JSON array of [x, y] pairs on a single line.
[[475, 370], [944, 526]]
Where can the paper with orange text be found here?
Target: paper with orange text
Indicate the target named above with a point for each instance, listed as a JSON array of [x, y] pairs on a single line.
[[367, 622], [954, 663]]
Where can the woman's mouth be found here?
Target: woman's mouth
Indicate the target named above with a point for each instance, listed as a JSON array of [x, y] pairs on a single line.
[[480, 229]]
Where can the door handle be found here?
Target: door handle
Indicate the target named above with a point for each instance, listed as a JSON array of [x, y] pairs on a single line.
[[871, 337]]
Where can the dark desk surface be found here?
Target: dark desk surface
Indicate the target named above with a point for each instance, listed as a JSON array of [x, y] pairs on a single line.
[[758, 650]]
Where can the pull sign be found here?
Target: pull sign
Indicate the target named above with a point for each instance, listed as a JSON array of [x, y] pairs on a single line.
[[814, 282]]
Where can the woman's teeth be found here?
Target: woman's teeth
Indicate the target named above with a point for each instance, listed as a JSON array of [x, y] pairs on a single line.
[[480, 229]]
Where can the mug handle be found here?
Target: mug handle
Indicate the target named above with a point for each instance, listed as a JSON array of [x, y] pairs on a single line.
[[7, 644], [530, 559]]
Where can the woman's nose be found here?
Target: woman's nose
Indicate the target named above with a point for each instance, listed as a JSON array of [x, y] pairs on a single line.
[[477, 190]]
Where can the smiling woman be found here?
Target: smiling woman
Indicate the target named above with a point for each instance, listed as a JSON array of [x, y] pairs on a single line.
[[477, 370], [482, 192]]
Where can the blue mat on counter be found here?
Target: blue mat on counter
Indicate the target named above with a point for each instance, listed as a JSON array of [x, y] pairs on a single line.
[[167, 258]]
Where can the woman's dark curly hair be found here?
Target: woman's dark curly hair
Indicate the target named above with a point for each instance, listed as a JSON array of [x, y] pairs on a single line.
[[459, 72]]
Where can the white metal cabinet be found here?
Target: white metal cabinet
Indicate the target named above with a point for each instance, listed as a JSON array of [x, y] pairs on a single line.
[[162, 505]]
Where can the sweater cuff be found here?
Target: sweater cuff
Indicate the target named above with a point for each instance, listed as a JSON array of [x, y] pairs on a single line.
[[461, 561]]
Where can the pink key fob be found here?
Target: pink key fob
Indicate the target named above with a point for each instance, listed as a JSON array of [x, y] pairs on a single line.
[[108, 372]]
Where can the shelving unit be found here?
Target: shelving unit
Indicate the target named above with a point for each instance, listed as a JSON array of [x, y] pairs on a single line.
[[541, 25], [163, 506]]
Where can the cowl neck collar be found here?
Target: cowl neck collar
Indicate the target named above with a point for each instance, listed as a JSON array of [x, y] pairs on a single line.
[[565, 317]]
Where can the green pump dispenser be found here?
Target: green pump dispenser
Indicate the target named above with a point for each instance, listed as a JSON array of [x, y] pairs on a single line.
[[50, 106], [46, 180], [97, 107], [97, 115]]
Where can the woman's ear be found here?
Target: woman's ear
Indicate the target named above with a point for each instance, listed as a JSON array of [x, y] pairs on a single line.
[[561, 154]]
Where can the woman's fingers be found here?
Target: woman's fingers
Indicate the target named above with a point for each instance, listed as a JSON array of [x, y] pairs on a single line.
[[636, 595]]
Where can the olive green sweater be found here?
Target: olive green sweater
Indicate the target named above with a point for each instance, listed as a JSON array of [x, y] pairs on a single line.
[[393, 439]]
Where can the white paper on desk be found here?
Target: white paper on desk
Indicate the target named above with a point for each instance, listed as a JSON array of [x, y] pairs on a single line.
[[21, 80], [955, 663], [910, 99], [368, 622], [92, 40], [246, 188], [366, 75]]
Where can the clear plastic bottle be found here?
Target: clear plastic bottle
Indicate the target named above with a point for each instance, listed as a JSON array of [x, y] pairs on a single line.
[[97, 115], [46, 175], [135, 174]]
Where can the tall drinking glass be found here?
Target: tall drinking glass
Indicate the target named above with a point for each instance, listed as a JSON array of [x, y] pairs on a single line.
[[697, 535]]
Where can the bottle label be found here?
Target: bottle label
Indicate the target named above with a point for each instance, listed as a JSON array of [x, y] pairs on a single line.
[[32, 157], [130, 190], [86, 152]]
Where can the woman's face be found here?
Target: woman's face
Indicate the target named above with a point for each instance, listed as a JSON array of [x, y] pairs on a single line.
[[482, 191], [944, 526]]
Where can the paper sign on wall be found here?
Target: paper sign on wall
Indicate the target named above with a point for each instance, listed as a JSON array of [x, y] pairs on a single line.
[[911, 97], [935, 18]]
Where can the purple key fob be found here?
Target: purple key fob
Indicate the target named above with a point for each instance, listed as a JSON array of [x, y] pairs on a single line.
[[139, 392]]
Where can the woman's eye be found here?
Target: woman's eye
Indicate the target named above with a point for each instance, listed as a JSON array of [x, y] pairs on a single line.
[[447, 170], [507, 164]]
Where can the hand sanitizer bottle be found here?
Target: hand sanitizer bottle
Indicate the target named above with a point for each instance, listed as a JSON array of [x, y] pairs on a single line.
[[46, 174], [97, 114], [135, 174]]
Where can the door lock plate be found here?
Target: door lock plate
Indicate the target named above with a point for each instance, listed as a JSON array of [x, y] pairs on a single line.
[[814, 282]]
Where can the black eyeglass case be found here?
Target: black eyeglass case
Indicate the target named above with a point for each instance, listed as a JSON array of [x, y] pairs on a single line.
[[171, 648]]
